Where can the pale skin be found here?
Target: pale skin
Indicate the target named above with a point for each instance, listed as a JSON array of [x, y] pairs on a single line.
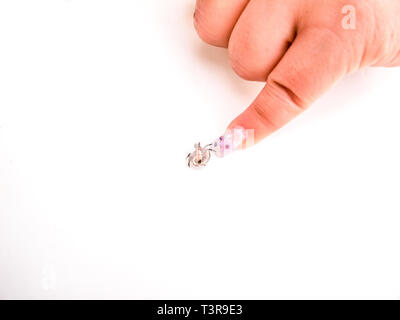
[[298, 47]]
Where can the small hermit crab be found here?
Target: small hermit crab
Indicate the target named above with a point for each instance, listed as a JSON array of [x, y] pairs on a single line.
[[199, 157], [221, 147]]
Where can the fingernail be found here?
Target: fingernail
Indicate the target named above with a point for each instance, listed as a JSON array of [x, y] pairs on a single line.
[[232, 140]]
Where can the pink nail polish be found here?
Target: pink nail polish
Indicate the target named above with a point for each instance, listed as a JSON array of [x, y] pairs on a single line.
[[232, 140]]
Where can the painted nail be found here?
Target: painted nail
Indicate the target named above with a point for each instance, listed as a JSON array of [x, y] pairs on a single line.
[[232, 140]]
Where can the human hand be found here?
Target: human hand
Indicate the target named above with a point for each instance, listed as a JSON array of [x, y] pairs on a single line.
[[300, 48]]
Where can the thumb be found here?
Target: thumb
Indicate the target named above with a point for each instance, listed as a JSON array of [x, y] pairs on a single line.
[[313, 63]]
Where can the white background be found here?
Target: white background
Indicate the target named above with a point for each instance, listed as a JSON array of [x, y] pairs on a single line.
[[100, 101]]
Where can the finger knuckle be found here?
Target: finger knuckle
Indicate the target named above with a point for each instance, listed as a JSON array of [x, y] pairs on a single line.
[[287, 90], [244, 55], [208, 30], [244, 65]]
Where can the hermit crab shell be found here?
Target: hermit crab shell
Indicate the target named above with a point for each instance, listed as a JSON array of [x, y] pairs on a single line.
[[199, 157]]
